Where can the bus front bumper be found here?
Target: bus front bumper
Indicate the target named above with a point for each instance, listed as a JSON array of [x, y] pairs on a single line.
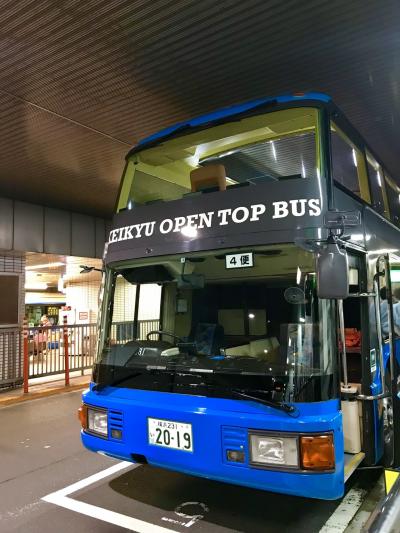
[[218, 426]]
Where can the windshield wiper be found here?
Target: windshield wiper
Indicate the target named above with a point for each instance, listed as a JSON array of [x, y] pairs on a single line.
[[282, 406]]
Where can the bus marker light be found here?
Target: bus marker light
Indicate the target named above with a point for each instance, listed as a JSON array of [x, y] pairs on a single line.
[[317, 452], [116, 434], [235, 456], [82, 415]]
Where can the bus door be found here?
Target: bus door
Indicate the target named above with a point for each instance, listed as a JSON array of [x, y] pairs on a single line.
[[369, 369], [388, 365]]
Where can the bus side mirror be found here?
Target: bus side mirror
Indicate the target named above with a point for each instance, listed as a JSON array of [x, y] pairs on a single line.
[[332, 272]]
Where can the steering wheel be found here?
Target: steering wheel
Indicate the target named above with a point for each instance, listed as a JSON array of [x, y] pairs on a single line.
[[160, 332]]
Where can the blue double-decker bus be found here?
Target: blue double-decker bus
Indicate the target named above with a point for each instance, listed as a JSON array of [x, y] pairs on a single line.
[[248, 327]]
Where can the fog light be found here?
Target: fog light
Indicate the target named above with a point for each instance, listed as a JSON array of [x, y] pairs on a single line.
[[317, 452], [274, 450], [235, 455], [97, 421], [116, 434]]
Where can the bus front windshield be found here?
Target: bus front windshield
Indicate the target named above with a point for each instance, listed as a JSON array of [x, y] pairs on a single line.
[[230, 324]]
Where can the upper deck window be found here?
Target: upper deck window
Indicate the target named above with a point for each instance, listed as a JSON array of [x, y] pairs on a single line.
[[267, 147], [345, 161], [287, 157], [393, 195], [348, 164], [377, 185]]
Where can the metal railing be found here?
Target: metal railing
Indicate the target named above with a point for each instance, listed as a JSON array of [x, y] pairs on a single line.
[[46, 345], [46, 349]]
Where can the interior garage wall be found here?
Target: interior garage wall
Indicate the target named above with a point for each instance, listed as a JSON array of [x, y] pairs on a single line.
[[84, 296], [36, 228]]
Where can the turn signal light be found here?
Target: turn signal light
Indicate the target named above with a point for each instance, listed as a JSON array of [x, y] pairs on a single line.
[[317, 452], [82, 415]]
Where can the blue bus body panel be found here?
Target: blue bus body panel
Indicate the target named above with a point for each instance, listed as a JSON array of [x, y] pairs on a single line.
[[217, 424], [227, 113]]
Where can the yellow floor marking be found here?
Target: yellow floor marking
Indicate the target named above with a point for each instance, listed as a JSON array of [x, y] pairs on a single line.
[[390, 478]]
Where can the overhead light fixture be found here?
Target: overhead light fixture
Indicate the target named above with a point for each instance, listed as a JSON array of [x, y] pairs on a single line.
[[354, 157], [303, 169], [60, 285], [45, 265], [273, 149], [298, 276], [37, 286]]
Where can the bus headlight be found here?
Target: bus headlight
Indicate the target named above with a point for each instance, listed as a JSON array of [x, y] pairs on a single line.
[[97, 421], [274, 450]]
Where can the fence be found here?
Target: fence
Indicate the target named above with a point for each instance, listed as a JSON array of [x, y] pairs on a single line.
[[46, 350]]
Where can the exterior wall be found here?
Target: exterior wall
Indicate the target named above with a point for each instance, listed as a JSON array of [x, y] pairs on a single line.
[[124, 301], [83, 295], [35, 228], [10, 338]]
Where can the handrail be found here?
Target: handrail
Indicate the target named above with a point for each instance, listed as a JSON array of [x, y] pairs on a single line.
[[386, 516]]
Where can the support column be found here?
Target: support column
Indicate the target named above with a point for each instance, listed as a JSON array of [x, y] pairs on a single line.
[[12, 311]]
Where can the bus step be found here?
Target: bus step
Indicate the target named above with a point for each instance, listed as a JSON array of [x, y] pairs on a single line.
[[351, 462]]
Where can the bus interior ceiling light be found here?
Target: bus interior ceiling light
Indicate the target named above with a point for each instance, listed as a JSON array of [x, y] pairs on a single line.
[[45, 265]]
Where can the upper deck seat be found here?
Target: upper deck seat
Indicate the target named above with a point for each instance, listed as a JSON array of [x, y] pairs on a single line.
[[210, 176]]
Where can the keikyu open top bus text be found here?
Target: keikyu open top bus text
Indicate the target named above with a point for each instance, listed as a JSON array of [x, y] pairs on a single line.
[[253, 213]]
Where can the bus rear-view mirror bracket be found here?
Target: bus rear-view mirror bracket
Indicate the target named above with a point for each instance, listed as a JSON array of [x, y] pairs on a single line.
[[332, 259]]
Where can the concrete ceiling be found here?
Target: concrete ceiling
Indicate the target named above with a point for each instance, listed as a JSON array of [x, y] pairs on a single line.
[[80, 82]]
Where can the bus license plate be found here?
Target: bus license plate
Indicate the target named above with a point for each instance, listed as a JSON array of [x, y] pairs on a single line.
[[170, 434]]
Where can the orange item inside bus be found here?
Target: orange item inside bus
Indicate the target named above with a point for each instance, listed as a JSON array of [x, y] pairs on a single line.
[[353, 337]]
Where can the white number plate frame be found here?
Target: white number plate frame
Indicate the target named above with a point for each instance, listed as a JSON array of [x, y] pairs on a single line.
[[170, 434]]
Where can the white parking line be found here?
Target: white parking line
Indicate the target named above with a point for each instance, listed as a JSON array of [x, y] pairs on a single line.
[[62, 499], [337, 522], [344, 512]]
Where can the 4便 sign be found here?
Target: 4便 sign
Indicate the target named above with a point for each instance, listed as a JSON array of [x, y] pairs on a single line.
[[239, 260]]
